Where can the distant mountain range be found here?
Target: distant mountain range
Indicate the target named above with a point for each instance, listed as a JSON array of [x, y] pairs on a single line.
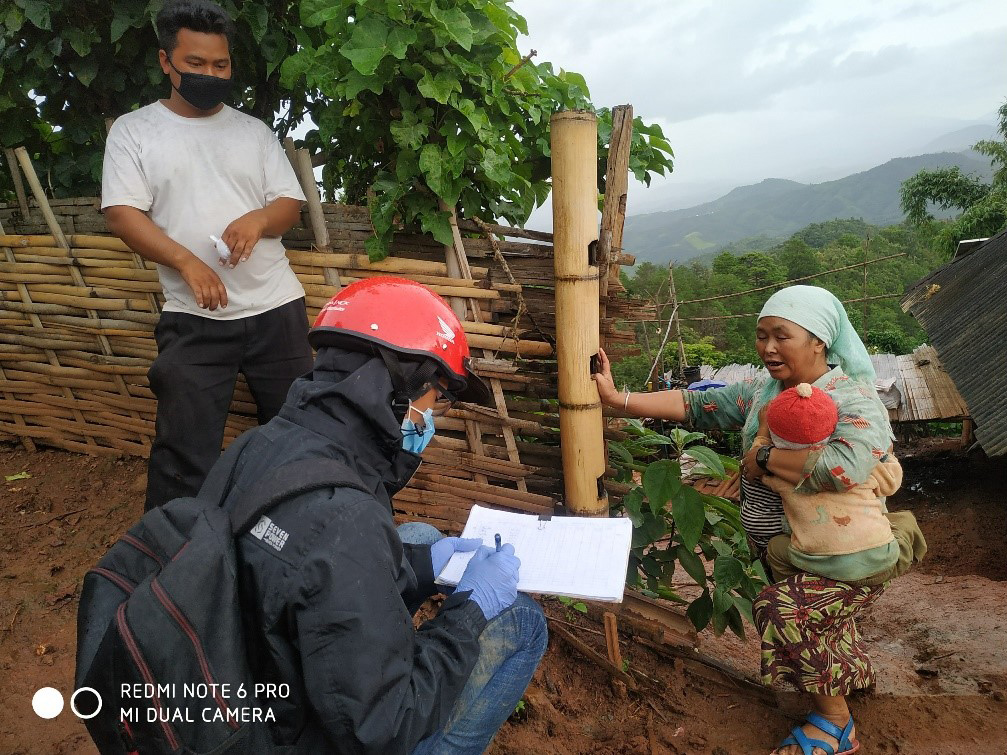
[[777, 208]]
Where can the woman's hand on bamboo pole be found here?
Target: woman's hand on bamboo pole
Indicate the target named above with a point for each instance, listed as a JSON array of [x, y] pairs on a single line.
[[659, 404], [607, 391]]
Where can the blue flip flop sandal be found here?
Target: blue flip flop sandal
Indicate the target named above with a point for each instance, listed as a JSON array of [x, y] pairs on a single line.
[[797, 737]]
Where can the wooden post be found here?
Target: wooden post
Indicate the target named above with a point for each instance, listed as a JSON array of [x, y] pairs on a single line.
[[291, 152], [867, 248], [678, 322], [457, 263], [306, 175], [968, 433], [15, 174], [612, 639], [574, 143], [613, 212]]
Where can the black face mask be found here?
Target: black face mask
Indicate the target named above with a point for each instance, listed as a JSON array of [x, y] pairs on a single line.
[[200, 90]]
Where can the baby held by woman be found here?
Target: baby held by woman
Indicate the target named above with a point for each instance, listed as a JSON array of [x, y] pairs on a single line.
[[845, 536]]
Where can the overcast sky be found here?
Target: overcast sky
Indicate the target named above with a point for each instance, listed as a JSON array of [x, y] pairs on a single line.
[[753, 89]]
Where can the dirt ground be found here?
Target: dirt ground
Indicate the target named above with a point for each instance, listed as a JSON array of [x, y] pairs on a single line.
[[937, 636]]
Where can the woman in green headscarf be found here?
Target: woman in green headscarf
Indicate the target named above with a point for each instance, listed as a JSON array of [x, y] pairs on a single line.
[[809, 636]]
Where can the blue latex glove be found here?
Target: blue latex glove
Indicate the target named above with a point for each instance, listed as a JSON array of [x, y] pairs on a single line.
[[492, 577], [443, 549]]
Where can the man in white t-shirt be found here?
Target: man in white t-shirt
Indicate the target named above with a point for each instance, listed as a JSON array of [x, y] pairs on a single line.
[[176, 172]]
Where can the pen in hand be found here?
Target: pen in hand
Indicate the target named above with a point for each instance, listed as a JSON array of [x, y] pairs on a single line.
[[496, 537]]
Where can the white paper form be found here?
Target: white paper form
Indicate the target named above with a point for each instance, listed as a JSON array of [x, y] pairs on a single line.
[[579, 557]]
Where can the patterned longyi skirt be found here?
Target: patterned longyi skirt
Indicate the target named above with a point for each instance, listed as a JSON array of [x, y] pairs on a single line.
[[809, 634]]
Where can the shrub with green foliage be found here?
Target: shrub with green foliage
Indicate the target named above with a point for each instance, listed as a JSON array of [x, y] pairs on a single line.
[[676, 525]]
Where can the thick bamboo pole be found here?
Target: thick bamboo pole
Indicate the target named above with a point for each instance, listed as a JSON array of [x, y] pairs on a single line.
[[574, 143]]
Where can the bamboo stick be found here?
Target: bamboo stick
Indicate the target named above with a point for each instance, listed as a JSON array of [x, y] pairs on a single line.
[[496, 343], [82, 302], [488, 494], [15, 174], [574, 166]]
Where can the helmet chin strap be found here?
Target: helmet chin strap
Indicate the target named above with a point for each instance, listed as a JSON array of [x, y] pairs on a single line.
[[406, 389]]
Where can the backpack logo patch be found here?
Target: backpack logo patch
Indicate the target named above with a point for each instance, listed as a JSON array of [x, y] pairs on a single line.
[[269, 533]]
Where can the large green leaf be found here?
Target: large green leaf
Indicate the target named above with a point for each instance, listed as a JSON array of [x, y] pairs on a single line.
[[439, 86], [690, 515], [399, 40], [81, 40], [437, 176], [317, 12], [700, 611], [257, 17], [355, 83], [661, 481], [37, 11], [728, 572], [86, 70], [120, 23], [367, 45], [633, 501], [455, 23], [692, 564], [408, 132], [439, 226], [722, 602], [497, 167], [652, 528], [735, 622], [744, 606], [296, 66], [708, 458]]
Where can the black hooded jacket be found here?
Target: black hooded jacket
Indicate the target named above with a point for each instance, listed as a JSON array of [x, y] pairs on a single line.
[[329, 611]]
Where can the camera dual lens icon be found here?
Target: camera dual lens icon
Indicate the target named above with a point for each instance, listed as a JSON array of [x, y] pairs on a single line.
[[84, 702]]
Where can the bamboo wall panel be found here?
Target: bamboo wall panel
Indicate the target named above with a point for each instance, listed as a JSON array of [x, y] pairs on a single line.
[[59, 387]]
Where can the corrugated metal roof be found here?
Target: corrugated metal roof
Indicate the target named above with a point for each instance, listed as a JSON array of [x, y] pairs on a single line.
[[963, 308]]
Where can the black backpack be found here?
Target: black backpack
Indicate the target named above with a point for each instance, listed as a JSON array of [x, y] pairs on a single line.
[[159, 627]]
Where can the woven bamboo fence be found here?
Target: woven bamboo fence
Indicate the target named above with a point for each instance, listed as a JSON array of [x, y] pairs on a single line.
[[78, 309]]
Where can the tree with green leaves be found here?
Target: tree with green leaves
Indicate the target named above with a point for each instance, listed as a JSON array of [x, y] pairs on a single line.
[[983, 205], [430, 105], [416, 102]]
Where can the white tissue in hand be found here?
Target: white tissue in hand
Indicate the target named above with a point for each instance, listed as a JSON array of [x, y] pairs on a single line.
[[222, 251]]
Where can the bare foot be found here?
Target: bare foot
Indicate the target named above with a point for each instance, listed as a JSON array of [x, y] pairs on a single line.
[[813, 732]]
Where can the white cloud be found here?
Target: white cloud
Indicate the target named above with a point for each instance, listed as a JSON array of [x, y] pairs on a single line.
[[751, 89]]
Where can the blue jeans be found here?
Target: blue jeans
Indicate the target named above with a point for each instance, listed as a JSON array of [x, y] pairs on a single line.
[[510, 648]]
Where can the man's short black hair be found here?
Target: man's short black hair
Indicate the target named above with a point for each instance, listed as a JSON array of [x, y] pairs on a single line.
[[196, 15]]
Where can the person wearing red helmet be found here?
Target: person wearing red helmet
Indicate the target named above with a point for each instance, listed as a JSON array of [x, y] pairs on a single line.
[[328, 598]]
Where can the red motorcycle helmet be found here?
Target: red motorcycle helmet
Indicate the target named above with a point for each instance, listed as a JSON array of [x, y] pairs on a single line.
[[396, 317]]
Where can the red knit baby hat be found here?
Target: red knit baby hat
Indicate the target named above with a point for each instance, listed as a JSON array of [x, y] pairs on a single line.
[[802, 415]]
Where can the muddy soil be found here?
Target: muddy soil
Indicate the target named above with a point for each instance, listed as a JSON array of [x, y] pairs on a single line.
[[937, 636]]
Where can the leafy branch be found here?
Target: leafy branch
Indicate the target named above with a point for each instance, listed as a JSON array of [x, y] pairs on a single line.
[[676, 525]]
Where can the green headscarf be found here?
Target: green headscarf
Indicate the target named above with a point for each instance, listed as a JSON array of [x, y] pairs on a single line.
[[823, 315]]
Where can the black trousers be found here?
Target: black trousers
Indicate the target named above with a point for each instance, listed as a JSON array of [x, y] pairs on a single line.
[[193, 377]]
